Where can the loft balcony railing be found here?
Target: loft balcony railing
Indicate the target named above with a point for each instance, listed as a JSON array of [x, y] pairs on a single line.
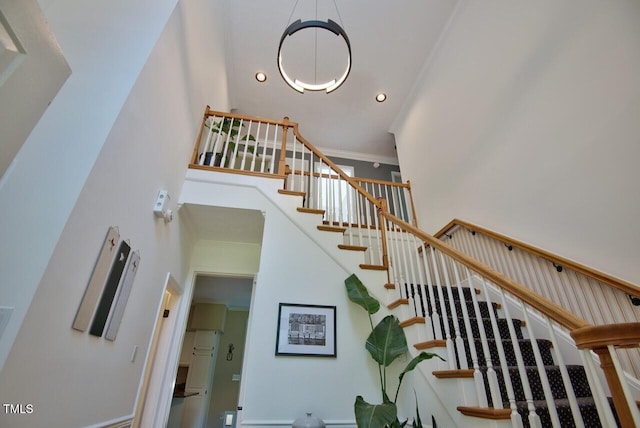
[[275, 149], [426, 277]]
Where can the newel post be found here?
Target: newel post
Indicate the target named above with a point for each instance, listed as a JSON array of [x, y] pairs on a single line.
[[413, 207], [283, 168], [603, 339], [205, 116], [382, 208], [615, 387]]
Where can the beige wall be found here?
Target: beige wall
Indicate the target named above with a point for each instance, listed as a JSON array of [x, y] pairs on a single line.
[[526, 121], [73, 378]]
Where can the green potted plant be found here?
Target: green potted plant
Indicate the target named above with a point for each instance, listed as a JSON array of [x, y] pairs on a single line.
[[226, 131], [385, 344]]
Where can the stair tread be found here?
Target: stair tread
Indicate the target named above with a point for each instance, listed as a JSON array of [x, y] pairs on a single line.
[[310, 210], [332, 228], [373, 267], [291, 192], [352, 247]]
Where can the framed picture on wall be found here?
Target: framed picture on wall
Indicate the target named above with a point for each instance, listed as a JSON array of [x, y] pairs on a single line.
[[306, 330]]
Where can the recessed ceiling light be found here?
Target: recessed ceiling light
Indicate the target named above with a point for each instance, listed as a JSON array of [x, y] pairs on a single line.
[[261, 77], [381, 97]]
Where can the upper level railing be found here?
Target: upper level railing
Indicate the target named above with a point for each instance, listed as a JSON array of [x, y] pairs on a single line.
[[428, 274], [271, 148]]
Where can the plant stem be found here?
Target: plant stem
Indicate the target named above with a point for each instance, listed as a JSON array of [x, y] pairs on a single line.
[[382, 379]]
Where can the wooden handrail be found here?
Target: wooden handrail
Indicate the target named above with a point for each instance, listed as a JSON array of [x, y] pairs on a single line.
[[358, 179], [382, 182], [352, 181], [625, 335], [546, 306], [611, 281], [209, 112]]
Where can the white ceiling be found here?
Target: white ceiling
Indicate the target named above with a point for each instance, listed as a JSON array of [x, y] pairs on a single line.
[[224, 224], [234, 292], [229, 225], [391, 42]]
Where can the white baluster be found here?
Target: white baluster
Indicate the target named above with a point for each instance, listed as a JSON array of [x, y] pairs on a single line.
[[600, 397], [542, 372], [256, 151], [516, 419], [377, 229], [208, 140], [246, 145], [534, 419], [459, 341], [218, 143], [236, 146], [492, 378], [451, 354], [436, 326], [477, 374], [566, 379], [273, 150]]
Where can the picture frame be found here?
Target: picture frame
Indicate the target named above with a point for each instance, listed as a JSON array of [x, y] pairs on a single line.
[[306, 330]]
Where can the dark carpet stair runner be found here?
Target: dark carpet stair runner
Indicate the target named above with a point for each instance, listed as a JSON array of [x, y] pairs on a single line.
[[576, 373]]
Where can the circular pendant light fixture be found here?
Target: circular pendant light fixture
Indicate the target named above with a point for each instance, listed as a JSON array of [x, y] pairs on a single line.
[[299, 85]]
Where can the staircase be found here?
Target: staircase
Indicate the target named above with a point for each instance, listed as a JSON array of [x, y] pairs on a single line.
[[577, 374], [522, 370], [500, 347]]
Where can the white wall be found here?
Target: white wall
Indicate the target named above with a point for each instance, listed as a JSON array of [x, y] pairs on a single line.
[[276, 390], [72, 378], [106, 49], [527, 121]]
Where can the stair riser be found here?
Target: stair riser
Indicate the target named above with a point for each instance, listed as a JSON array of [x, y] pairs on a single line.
[[576, 374], [503, 328], [525, 349], [484, 308]]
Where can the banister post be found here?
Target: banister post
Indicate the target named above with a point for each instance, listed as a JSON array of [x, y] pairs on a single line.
[[413, 207], [615, 387], [194, 156], [600, 339], [382, 208], [282, 162]]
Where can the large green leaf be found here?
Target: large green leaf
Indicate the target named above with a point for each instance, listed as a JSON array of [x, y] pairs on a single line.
[[417, 422], [359, 294], [413, 363], [374, 415], [387, 341]]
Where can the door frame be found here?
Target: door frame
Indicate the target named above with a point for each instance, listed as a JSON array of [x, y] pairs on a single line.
[[156, 388]]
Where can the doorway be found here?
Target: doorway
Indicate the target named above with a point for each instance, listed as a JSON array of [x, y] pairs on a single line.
[[156, 380], [212, 355]]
